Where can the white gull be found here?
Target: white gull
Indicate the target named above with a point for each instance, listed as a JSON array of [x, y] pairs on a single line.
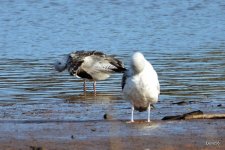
[[140, 84]]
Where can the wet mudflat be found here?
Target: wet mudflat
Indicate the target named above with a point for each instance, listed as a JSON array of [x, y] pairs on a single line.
[[49, 128], [197, 134], [43, 109]]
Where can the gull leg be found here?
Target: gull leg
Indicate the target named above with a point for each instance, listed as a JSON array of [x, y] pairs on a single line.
[[94, 87], [132, 114], [149, 109], [84, 86]]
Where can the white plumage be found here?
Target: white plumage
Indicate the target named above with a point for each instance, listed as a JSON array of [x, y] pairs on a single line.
[[140, 84]]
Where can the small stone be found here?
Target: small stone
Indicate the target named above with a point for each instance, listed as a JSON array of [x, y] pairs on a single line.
[[180, 103], [93, 129], [107, 116], [219, 105], [36, 148]]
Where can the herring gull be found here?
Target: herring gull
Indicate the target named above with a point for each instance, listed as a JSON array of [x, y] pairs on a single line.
[[140, 84], [90, 65]]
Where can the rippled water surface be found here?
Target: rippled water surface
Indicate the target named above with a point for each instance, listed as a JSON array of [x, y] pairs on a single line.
[[183, 40]]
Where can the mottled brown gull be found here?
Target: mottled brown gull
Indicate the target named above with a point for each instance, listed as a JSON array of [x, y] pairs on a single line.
[[90, 65]]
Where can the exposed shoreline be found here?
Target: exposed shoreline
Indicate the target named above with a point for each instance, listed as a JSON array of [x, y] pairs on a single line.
[[105, 134]]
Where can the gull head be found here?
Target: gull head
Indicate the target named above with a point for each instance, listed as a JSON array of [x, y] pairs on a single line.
[[138, 62], [60, 65]]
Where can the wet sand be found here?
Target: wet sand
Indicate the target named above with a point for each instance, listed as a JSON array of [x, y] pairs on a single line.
[[176, 38], [111, 134]]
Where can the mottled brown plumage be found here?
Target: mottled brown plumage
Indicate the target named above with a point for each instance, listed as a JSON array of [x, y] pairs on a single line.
[[106, 64], [91, 65]]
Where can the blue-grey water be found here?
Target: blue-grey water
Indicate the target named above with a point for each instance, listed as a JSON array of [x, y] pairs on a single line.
[[184, 40]]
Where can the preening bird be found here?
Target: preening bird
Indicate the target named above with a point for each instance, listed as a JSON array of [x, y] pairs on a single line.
[[90, 65], [140, 84]]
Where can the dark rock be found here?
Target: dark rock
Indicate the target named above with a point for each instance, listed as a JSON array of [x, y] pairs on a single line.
[[219, 105], [93, 129], [181, 103], [177, 117], [181, 117], [36, 148], [107, 116], [198, 112]]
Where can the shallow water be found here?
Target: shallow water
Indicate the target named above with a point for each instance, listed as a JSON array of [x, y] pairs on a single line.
[[184, 41]]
